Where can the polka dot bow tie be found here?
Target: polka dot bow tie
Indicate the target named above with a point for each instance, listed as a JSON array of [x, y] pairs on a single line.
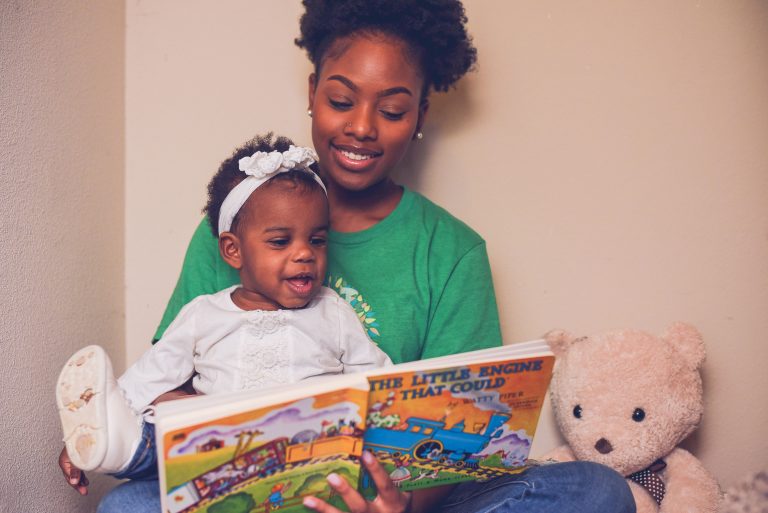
[[650, 480]]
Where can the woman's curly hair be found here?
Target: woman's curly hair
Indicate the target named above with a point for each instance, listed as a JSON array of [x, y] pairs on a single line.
[[229, 175], [434, 31]]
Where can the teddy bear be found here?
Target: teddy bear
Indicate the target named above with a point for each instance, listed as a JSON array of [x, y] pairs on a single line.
[[626, 399]]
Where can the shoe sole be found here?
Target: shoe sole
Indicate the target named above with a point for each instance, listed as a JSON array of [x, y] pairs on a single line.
[[82, 406]]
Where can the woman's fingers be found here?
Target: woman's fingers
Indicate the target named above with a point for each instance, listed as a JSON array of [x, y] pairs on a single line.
[[355, 502], [390, 499], [75, 477], [318, 505], [82, 488]]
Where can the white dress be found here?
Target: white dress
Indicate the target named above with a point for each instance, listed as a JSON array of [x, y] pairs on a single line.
[[226, 348]]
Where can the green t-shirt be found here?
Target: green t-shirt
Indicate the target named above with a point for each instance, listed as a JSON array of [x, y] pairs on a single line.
[[419, 280]]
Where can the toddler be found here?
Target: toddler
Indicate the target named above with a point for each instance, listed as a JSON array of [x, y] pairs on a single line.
[[279, 325]]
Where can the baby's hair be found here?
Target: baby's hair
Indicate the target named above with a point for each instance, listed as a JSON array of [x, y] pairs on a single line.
[[434, 31], [229, 175]]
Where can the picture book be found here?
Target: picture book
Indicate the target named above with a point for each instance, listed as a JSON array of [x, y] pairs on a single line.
[[241, 452], [470, 416], [466, 417]]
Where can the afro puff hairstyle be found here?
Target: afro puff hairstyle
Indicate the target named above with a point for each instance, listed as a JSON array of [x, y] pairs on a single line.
[[229, 175], [434, 31]]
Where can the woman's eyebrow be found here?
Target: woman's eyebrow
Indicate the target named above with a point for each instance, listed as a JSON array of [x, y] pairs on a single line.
[[386, 92], [344, 80], [394, 90]]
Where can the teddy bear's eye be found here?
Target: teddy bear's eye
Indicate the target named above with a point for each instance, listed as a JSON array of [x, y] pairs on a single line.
[[577, 411], [638, 415]]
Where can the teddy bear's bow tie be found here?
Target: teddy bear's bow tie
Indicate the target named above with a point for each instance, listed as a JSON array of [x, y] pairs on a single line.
[[650, 480]]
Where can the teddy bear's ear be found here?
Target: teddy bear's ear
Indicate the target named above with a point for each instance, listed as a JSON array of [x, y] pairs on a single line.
[[559, 341], [688, 342]]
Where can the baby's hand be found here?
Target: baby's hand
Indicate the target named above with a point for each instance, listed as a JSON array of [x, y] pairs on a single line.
[[75, 477]]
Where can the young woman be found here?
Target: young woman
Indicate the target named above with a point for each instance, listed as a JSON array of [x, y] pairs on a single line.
[[418, 277]]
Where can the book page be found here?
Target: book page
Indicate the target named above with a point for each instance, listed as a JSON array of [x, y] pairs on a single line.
[[262, 459], [446, 425]]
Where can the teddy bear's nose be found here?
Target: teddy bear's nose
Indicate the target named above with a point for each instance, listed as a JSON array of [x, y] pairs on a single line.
[[603, 446]]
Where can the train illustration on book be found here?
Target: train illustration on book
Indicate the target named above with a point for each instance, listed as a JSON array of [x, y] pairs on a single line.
[[250, 464], [429, 440]]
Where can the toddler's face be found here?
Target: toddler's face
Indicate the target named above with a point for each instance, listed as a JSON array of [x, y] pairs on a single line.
[[283, 237]]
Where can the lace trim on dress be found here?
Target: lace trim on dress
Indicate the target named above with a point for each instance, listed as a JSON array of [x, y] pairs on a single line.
[[264, 356]]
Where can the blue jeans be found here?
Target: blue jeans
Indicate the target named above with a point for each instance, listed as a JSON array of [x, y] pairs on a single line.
[[143, 465], [133, 497], [142, 493], [573, 487]]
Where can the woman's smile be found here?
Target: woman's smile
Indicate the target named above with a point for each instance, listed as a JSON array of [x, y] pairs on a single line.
[[353, 158]]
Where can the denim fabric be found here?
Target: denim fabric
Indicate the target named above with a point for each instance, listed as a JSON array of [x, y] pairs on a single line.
[[572, 487], [143, 465], [133, 497], [575, 487]]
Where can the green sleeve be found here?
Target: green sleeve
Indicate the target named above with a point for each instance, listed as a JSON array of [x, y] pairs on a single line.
[[465, 317], [203, 272]]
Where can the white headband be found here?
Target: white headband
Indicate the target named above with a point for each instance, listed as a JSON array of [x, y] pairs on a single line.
[[260, 167]]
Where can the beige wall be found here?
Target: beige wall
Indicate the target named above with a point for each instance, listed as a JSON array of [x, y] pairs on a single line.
[[613, 157], [61, 235], [612, 153]]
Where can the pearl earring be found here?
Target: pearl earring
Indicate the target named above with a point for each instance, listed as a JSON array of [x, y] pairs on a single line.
[[309, 112], [419, 135]]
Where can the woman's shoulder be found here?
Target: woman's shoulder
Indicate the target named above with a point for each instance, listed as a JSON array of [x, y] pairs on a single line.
[[441, 223]]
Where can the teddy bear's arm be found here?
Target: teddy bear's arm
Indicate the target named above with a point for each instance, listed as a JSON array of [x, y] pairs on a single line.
[[690, 488], [644, 503]]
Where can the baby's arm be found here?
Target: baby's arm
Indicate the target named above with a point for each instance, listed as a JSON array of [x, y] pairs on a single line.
[[169, 364]]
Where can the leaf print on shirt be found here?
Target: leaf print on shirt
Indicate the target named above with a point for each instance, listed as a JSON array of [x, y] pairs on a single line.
[[365, 313]]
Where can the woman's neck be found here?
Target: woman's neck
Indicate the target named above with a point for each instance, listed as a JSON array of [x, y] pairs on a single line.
[[354, 211]]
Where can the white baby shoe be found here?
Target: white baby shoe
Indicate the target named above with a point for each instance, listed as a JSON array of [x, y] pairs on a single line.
[[101, 431]]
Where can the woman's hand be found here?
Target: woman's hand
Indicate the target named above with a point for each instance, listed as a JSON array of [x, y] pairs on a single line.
[[172, 396], [75, 477], [182, 392], [389, 500]]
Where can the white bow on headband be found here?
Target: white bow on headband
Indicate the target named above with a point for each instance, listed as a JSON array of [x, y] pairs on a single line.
[[260, 167]]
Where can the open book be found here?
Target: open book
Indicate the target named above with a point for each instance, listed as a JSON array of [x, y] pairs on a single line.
[[470, 416]]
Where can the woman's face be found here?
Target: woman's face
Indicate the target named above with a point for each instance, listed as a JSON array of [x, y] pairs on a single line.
[[367, 107]]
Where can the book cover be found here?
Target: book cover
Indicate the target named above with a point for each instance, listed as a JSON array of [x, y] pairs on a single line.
[[263, 458], [452, 424], [470, 416]]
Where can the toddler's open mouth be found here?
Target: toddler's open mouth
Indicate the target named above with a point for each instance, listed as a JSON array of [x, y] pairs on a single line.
[[301, 283]]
